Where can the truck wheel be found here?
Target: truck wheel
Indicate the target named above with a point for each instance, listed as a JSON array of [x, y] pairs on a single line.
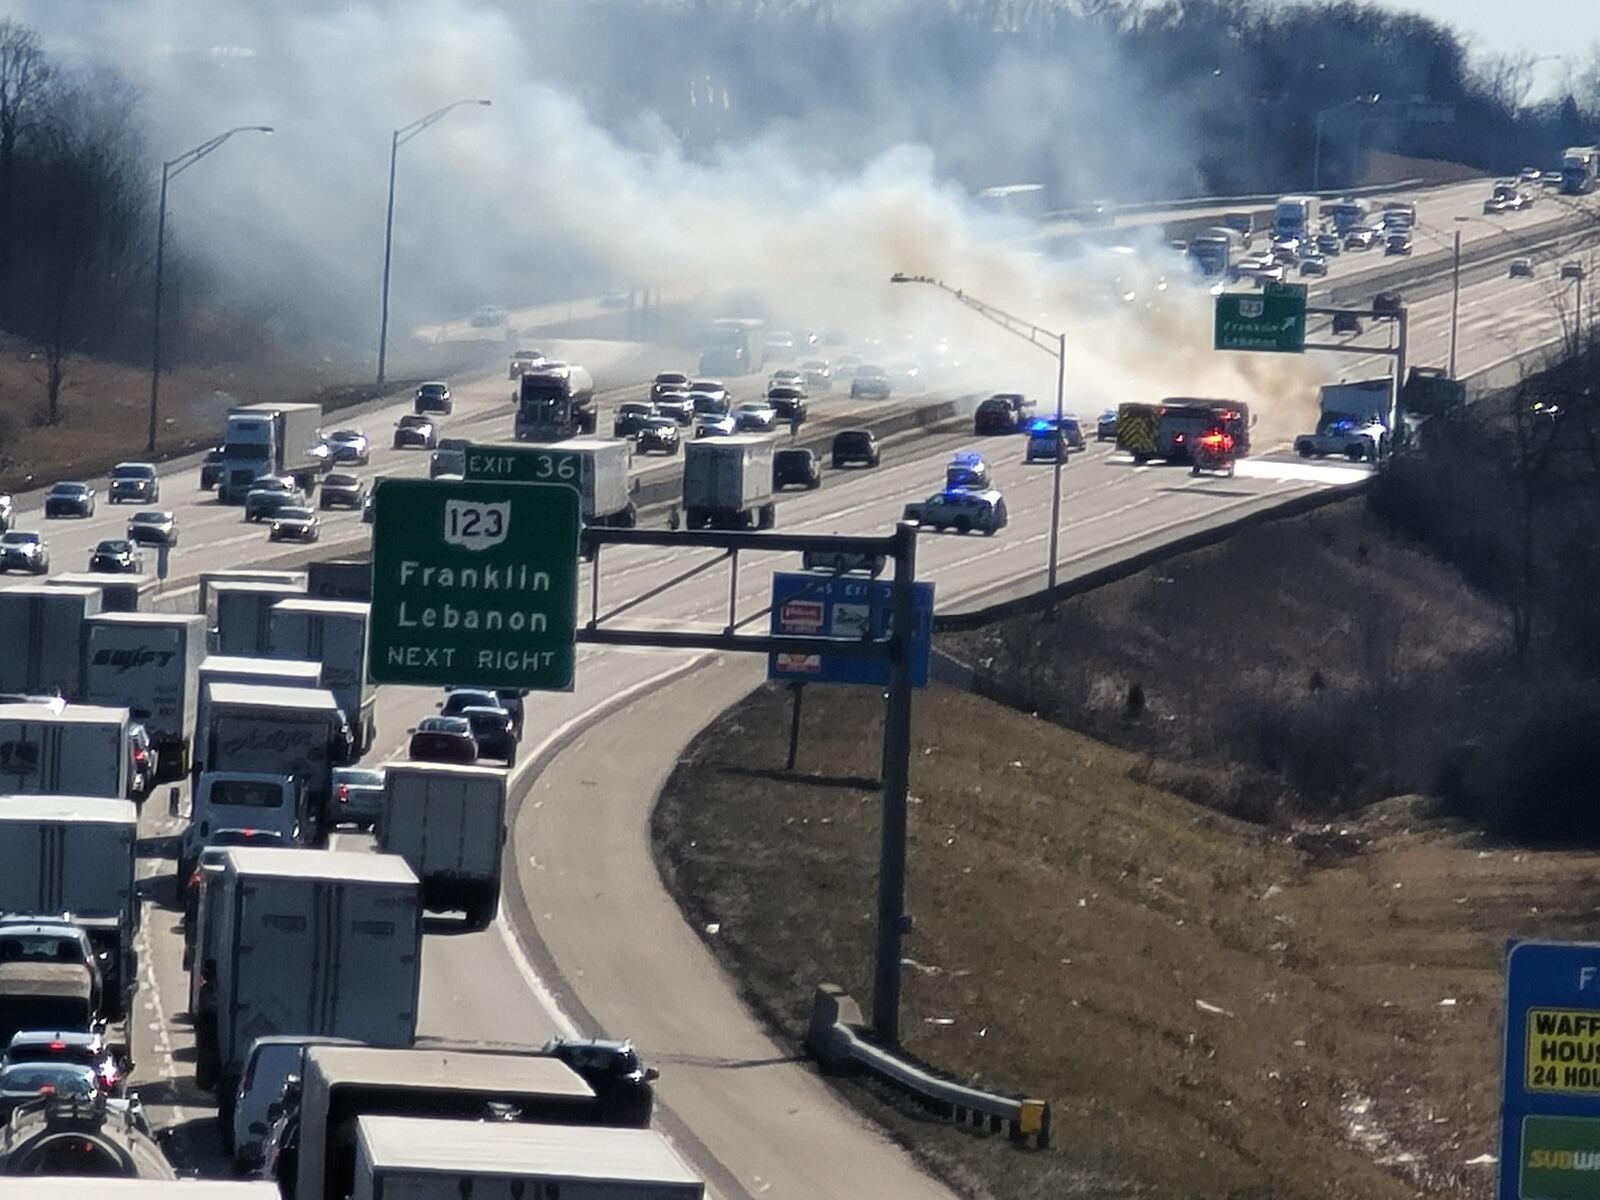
[[963, 525], [628, 518], [1303, 449], [769, 515], [205, 1069], [1355, 453], [481, 912], [1140, 459]]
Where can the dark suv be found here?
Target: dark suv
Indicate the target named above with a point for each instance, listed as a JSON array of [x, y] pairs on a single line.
[[795, 466], [621, 1082], [855, 446]]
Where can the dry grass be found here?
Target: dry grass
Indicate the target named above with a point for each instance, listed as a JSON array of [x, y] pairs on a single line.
[[105, 407], [1306, 666], [1070, 920]]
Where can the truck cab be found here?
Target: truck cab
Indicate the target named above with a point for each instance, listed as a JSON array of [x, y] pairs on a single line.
[[244, 800]]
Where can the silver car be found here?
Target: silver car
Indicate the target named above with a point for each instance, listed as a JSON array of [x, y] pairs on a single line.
[[357, 796]]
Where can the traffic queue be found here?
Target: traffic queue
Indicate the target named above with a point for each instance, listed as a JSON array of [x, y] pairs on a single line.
[[304, 958]]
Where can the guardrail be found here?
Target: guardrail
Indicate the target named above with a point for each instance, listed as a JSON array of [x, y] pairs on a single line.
[[835, 1040]]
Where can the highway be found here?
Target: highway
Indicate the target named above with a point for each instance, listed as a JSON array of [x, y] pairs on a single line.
[[590, 940]]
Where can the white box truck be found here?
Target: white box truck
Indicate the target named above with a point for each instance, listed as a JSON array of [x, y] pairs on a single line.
[[241, 616], [344, 1083], [727, 483], [148, 663], [334, 633], [263, 759], [40, 630], [418, 1158], [320, 942], [448, 822], [64, 750], [289, 581], [243, 668], [77, 854]]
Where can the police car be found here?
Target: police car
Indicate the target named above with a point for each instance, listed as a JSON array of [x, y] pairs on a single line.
[[962, 509], [967, 470]]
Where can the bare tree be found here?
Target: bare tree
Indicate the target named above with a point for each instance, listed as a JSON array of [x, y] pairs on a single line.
[[1506, 77], [24, 83]]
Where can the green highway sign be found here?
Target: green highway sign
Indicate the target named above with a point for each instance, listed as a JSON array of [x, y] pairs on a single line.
[[474, 583], [1273, 321], [523, 464]]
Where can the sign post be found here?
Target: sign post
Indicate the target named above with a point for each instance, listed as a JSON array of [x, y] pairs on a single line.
[[1550, 1096], [474, 583], [1274, 321]]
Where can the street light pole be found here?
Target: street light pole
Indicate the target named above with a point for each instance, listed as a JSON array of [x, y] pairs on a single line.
[[1455, 302], [402, 135], [170, 169], [1051, 343]]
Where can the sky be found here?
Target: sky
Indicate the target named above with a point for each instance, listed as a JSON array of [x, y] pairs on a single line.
[[1558, 28]]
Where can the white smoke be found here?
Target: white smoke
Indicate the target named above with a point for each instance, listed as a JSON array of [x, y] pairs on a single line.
[[531, 199]]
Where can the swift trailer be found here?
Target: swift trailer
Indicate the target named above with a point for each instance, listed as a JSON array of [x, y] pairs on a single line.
[[1579, 165], [334, 633], [344, 1083], [555, 403], [448, 822], [734, 346], [40, 635], [326, 943], [77, 855], [64, 750], [268, 439], [148, 663], [415, 1158], [1294, 217]]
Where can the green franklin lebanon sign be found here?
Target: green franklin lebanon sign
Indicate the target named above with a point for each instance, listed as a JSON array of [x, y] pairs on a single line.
[[474, 583], [1560, 1158], [1274, 321]]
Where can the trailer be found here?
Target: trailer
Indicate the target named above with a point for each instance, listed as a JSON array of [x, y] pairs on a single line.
[[727, 483], [118, 593], [290, 581], [40, 628], [449, 823], [240, 616], [334, 633], [418, 1158], [148, 663], [64, 750]]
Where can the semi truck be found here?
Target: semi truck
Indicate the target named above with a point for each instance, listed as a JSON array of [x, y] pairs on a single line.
[[1353, 422], [554, 403], [344, 1083], [77, 854], [449, 823], [727, 483], [334, 633], [148, 663], [267, 439], [1214, 251], [734, 346], [263, 759], [318, 942], [240, 616], [1579, 165], [418, 1158], [64, 749], [39, 637], [1294, 216]]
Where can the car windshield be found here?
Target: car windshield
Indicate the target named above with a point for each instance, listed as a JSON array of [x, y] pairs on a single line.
[[852, 438], [132, 471], [270, 485], [358, 776], [62, 1078], [151, 518], [672, 377], [69, 489], [296, 514], [112, 548], [40, 947], [753, 408], [347, 435], [415, 423], [456, 725], [244, 837], [527, 354], [340, 481], [19, 539], [246, 793], [636, 410], [52, 1052], [432, 389]]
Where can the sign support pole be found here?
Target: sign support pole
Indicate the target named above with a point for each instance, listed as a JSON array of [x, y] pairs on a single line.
[[892, 920], [798, 689]]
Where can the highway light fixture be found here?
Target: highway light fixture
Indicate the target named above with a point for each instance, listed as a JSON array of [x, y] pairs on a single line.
[[170, 170], [1051, 343], [1365, 101], [401, 136]]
